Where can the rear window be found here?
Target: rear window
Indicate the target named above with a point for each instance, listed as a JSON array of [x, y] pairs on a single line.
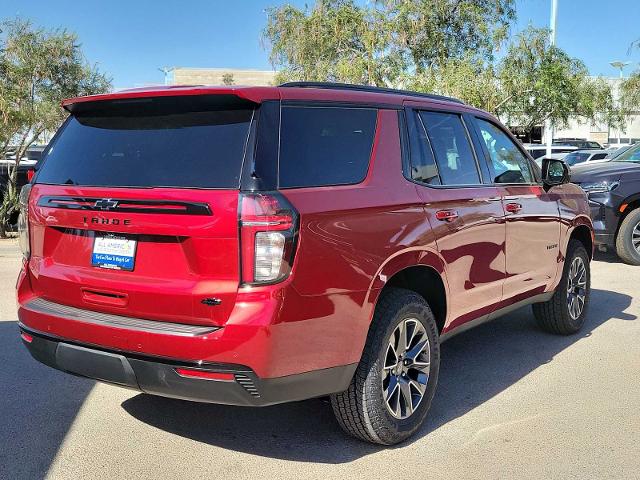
[[322, 146], [154, 148]]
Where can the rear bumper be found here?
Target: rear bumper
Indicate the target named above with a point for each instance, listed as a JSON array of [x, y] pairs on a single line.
[[158, 376]]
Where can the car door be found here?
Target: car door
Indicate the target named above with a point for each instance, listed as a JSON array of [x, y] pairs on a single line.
[[466, 215], [532, 216]]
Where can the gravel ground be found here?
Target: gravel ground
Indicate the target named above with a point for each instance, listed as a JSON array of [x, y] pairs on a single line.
[[513, 402]]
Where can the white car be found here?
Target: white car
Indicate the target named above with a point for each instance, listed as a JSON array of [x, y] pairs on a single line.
[[537, 150], [585, 156]]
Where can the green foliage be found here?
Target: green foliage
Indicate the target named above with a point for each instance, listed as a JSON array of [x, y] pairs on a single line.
[[541, 80], [227, 79], [375, 44], [630, 92], [441, 46], [38, 69], [468, 80], [432, 32], [336, 40]]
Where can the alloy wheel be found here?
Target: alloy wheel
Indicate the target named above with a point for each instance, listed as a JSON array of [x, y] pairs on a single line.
[[406, 368], [635, 237], [576, 287]]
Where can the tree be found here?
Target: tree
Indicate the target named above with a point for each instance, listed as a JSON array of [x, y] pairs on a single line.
[[434, 32], [375, 44], [38, 68], [469, 80], [440, 46], [540, 81], [630, 92], [227, 79], [335, 40]]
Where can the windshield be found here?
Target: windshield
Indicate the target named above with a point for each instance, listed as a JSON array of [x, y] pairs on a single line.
[[632, 154], [189, 149], [576, 157]]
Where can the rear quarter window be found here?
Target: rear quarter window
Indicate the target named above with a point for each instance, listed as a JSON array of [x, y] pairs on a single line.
[[322, 146]]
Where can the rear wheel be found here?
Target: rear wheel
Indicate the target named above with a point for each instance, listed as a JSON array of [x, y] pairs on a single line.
[[393, 386], [628, 238], [565, 312]]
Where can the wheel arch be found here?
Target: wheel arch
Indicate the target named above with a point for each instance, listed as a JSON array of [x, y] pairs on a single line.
[[584, 234], [421, 271], [632, 202]]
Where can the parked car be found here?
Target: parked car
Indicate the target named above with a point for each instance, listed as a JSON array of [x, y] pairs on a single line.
[[25, 170], [618, 146], [613, 189], [581, 143], [616, 151], [257, 245], [585, 156], [537, 150]]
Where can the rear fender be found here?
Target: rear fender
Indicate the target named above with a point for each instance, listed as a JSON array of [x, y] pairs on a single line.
[[397, 263]]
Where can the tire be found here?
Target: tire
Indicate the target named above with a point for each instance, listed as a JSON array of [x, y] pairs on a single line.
[[628, 233], [362, 410], [556, 315]]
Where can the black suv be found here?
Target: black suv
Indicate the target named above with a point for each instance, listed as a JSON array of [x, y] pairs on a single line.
[[613, 189]]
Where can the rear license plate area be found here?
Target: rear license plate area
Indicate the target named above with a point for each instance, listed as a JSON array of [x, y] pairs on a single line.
[[113, 252]]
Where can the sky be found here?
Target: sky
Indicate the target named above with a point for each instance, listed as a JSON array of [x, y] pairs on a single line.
[[132, 39]]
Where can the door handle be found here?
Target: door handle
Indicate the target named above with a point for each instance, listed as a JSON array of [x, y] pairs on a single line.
[[513, 207], [446, 215]]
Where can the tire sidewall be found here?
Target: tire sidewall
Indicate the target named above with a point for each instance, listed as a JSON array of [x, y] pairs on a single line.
[[403, 427], [632, 219], [575, 250]]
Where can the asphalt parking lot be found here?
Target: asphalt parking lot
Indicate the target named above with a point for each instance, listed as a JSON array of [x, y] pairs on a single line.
[[513, 402]]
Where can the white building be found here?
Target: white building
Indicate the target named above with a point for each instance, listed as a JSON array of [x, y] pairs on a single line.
[[219, 76], [603, 133]]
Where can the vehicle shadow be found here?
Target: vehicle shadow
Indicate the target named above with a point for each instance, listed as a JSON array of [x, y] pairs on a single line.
[[37, 408], [476, 366], [607, 257]]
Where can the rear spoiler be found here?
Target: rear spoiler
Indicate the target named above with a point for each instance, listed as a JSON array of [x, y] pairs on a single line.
[[249, 96]]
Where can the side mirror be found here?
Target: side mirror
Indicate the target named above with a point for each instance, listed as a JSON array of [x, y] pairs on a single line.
[[554, 172]]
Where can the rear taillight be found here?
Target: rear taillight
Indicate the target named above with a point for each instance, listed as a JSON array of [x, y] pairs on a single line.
[[23, 221], [268, 234]]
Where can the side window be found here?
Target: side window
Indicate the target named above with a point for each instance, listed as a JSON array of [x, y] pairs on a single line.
[[450, 143], [598, 156], [322, 146], [423, 163], [508, 163]]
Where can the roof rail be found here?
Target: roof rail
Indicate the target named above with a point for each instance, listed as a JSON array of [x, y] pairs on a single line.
[[367, 88]]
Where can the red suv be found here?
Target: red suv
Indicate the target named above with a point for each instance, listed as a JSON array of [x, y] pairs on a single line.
[[257, 245]]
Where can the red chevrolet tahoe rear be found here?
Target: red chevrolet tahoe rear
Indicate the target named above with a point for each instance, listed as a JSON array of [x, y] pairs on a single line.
[[256, 245], [156, 231]]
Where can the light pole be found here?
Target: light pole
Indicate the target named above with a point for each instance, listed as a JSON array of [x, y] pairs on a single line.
[[548, 126], [620, 66], [166, 71]]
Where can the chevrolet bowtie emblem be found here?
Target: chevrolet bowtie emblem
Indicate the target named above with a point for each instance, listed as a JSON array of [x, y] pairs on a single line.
[[106, 204]]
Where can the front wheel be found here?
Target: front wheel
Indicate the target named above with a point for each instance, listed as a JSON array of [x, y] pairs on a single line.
[[393, 386], [628, 238], [566, 311]]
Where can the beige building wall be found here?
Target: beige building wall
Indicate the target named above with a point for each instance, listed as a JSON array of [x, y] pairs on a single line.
[[214, 76], [602, 134]]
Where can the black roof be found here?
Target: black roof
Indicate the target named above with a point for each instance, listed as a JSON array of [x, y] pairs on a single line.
[[370, 89]]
